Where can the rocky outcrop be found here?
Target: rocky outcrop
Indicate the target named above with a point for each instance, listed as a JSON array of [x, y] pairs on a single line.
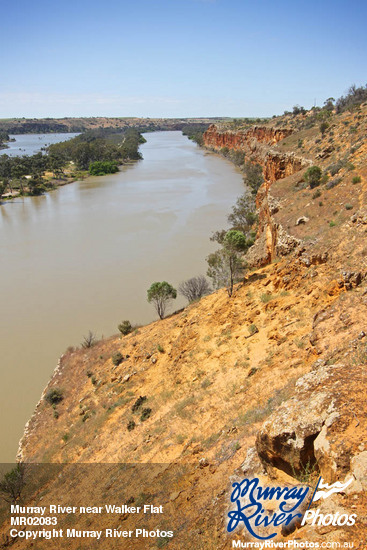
[[306, 432], [280, 165]]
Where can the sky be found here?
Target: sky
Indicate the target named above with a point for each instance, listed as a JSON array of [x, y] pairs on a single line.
[[177, 58]]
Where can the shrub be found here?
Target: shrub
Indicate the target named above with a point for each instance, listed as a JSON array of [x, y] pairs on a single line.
[[131, 425], [348, 206], [12, 484], [313, 176], [194, 288], [316, 194], [160, 348], [323, 127], [125, 327], [253, 176], [356, 179], [117, 358], [265, 298], [298, 109], [332, 224], [336, 167], [253, 329], [237, 157], [333, 183], [102, 167], [145, 414], [89, 340], [54, 396], [138, 403], [355, 96]]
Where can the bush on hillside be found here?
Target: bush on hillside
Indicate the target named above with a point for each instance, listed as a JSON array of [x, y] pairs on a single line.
[[313, 176]]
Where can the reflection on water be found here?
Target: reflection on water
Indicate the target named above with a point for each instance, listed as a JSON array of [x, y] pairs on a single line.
[[83, 256]]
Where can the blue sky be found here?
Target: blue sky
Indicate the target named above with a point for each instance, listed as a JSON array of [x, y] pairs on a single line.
[[173, 58]]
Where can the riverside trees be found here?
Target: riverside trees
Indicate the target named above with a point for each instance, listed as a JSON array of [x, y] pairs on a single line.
[[100, 151], [226, 265]]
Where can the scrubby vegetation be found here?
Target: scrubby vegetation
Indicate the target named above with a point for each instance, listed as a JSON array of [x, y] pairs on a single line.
[[117, 358], [195, 132], [89, 340], [194, 288], [313, 176], [13, 483], [54, 396], [125, 327], [103, 167], [354, 97]]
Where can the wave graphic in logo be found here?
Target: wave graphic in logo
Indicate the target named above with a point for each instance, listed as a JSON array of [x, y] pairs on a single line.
[[336, 487]]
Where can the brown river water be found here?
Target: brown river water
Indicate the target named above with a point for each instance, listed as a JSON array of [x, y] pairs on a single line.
[[83, 256]]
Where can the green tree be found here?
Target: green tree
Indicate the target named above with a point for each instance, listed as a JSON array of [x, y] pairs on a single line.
[[12, 484], [2, 188], [313, 176], [329, 104], [253, 176], [323, 127], [102, 167], [36, 185], [160, 294], [226, 265], [56, 164], [243, 214]]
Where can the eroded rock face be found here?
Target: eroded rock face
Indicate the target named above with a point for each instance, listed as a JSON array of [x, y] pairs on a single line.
[[286, 440], [298, 434], [217, 139], [258, 141], [280, 165]]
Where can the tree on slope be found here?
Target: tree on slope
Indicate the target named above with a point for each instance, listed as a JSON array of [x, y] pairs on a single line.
[[160, 294]]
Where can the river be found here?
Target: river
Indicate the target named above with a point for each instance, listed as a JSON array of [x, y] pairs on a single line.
[[30, 144], [83, 256]]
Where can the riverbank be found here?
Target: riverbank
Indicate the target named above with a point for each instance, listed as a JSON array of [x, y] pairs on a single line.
[[51, 182]]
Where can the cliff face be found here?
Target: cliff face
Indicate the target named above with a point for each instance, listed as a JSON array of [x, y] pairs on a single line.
[[257, 143], [216, 138], [267, 383]]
